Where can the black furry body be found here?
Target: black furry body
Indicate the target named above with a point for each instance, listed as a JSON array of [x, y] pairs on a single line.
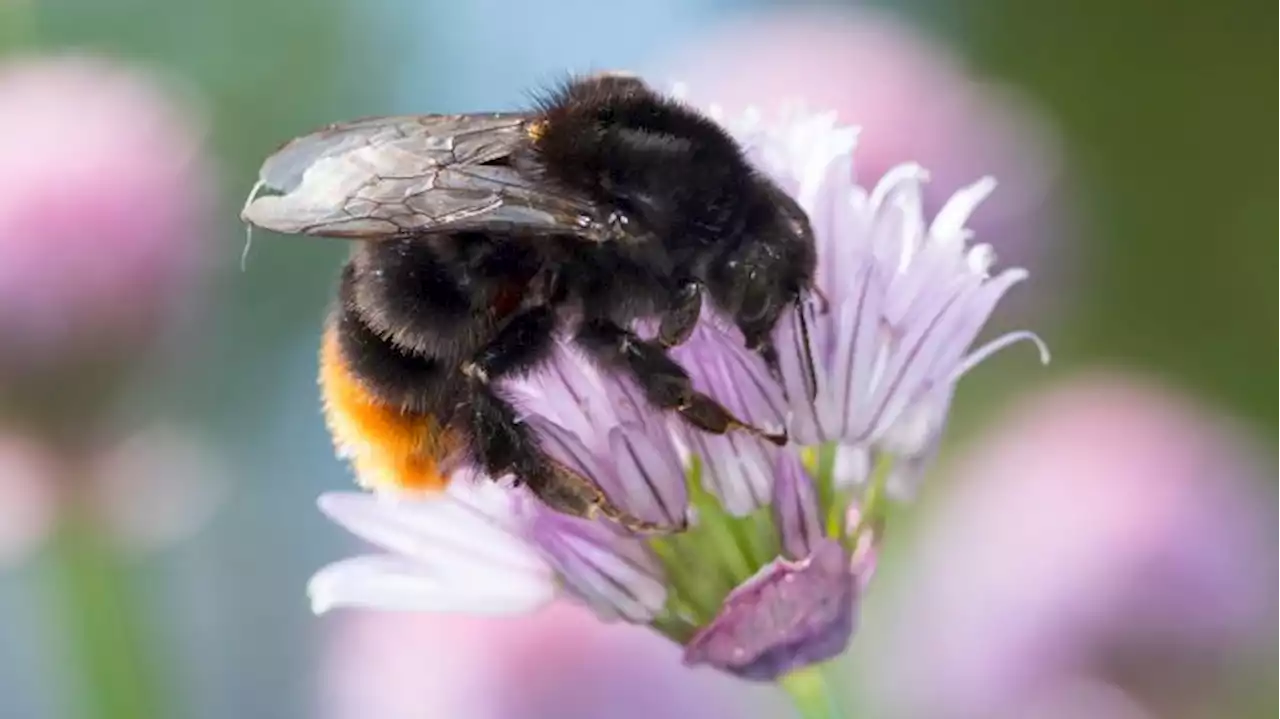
[[433, 323]]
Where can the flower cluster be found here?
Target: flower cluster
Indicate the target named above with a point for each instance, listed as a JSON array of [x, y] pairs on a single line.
[[781, 541]]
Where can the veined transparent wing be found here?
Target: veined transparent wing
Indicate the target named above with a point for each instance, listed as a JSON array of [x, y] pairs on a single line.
[[394, 176]]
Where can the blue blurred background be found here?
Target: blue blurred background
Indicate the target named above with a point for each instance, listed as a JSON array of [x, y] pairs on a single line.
[[158, 505]]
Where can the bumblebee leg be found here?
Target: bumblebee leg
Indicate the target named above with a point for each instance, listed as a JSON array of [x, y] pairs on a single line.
[[499, 440], [503, 444], [682, 317], [522, 342], [664, 381]]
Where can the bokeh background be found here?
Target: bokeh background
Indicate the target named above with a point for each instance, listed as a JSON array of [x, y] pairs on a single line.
[[1094, 542]]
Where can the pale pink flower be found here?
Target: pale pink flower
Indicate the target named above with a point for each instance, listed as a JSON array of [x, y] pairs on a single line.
[[1109, 532]]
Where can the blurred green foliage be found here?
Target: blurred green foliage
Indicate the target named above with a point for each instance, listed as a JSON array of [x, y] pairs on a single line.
[[1166, 111]]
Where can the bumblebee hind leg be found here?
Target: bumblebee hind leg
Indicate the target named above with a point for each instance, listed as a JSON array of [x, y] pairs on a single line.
[[503, 444]]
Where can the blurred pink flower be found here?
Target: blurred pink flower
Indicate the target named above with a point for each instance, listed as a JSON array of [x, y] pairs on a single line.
[[1076, 698], [912, 98], [152, 489], [104, 199], [561, 663], [1110, 534], [157, 487], [28, 496]]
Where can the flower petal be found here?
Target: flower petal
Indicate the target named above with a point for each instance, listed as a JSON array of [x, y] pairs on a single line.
[[795, 507], [443, 531], [852, 466], [790, 615], [612, 574], [563, 445], [919, 426], [803, 423], [569, 391], [720, 366], [960, 328], [394, 583], [736, 468], [897, 232], [908, 373], [980, 355], [649, 481], [860, 348], [949, 223], [917, 453], [836, 218]]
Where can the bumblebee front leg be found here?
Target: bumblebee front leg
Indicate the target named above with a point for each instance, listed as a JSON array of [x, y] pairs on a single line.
[[664, 381]]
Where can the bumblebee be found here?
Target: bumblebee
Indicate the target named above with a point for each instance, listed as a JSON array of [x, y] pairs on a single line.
[[482, 237]]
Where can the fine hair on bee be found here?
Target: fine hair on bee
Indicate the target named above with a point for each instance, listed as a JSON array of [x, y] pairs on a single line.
[[482, 238]]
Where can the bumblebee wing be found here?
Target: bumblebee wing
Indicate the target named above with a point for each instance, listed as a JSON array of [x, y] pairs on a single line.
[[391, 176]]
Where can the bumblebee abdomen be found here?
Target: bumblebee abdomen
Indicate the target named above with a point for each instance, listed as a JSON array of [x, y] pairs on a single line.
[[388, 447]]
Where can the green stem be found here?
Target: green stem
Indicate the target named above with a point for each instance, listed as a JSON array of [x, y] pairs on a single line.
[[836, 513], [875, 503], [821, 462], [811, 694], [715, 525], [99, 615]]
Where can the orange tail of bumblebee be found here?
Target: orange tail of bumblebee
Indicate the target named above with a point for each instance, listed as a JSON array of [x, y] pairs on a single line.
[[388, 447]]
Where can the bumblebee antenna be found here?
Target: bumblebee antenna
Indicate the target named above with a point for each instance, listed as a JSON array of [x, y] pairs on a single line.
[[248, 227]]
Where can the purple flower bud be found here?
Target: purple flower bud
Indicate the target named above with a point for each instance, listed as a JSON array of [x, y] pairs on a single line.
[[790, 615]]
